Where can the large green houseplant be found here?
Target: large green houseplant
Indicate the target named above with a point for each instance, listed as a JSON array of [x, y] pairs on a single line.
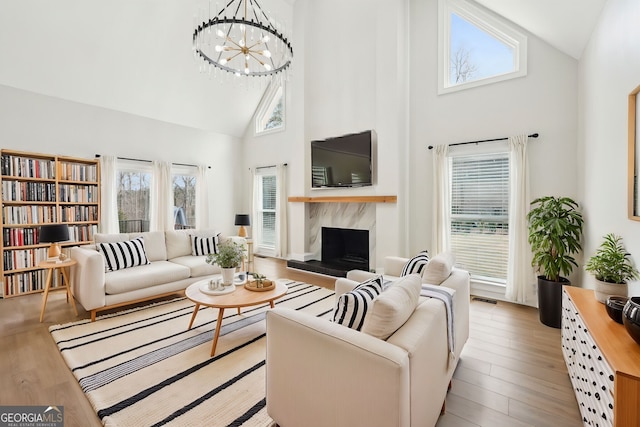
[[555, 234], [612, 267]]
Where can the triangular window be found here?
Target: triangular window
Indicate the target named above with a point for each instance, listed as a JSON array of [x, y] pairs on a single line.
[[271, 113], [477, 47]]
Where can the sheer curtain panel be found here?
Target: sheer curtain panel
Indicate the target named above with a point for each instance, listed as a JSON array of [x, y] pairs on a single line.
[[441, 200], [109, 195], [202, 199], [281, 212], [161, 197], [520, 277]]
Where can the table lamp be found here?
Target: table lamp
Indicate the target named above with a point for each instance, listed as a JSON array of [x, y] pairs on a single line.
[[54, 233], [242, 220]]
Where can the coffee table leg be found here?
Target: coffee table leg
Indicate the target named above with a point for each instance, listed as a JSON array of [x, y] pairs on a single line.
[[272, 304], [193, 316], [217, 334]]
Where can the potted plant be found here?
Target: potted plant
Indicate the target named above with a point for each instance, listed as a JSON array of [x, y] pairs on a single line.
[[612, 267], [555, 231], [229, 256]]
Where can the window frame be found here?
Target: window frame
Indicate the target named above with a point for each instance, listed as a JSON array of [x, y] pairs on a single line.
[[484, 152], [492, 24], [259, 209], [272, 95], [134, 166], [192, 171]]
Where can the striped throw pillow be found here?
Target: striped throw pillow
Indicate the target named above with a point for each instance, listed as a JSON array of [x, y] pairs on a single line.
[[121, 255], [352, 307], [416, 264], [204, 245]]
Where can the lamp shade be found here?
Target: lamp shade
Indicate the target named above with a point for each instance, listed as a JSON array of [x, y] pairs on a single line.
[[53, 233], [242, 219]]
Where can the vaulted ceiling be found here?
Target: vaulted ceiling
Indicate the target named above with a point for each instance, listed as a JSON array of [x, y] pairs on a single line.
[[135, 56]]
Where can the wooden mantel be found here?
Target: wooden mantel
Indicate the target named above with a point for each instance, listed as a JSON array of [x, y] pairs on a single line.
[[345, 199]]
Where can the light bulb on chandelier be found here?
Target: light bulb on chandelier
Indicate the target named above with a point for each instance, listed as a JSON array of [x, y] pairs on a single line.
[[251, 47]]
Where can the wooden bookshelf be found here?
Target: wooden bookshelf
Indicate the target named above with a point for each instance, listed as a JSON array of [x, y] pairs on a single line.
[[41, 189]]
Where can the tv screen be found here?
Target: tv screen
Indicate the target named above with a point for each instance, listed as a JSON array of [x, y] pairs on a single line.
[[344, 161]]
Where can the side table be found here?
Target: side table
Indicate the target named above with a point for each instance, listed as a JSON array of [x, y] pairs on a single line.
[[52, 266]]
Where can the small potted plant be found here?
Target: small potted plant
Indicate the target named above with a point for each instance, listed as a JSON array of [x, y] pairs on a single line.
[[229, 256], [612, 267]]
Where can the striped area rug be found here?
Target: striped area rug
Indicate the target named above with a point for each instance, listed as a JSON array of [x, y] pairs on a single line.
[[143, 368]]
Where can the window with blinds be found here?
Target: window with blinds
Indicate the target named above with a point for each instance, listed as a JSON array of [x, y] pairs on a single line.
[[266, 209], [480, 214]]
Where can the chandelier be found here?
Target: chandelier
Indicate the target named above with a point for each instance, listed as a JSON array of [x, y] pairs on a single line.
[[242, 40]]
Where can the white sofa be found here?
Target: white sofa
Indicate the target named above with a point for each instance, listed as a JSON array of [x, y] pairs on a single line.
[[172, 269], [323, 374]]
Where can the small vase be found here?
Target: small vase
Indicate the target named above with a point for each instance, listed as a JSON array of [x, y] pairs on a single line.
[[604, 290], [227, 275]]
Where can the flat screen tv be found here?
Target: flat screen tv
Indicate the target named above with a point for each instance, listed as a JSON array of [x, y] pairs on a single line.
[[343, 161]]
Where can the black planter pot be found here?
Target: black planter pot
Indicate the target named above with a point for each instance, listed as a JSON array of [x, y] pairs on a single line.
[[550, 301]]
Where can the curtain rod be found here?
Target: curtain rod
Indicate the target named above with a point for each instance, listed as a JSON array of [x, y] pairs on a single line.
[[271, 166], [533, 135], [150, 161]]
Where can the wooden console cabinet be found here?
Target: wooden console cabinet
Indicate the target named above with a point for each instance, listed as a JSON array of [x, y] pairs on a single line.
[[603, 361]]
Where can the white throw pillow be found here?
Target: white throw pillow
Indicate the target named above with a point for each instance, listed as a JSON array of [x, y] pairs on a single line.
[[119, 255], [351, 307], [393, 307], [438, 268], [416, 264]]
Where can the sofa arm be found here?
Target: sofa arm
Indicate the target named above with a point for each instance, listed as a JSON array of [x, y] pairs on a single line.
[[362, 380], [393, 265], [88, 277]]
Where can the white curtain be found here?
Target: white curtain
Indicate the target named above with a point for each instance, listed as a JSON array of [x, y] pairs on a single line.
[[202, 199], [109, 195], [441, 200], [520, 277], [161, 209], [255, 193], [282, 200]]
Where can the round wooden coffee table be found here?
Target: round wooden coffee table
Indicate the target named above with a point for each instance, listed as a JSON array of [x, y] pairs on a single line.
[[239, 298]]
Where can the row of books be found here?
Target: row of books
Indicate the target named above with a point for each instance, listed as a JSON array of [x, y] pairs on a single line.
[[20, 236], [23, 258], [36, 214], [28, 281], [78, 172], [26, 167], [78, 193], [29, 191], [82, 233], [78, 213]]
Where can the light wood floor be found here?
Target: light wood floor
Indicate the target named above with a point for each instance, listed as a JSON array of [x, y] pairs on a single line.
[[511, 372]]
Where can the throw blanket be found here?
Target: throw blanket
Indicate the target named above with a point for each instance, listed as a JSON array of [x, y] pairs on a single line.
[[446, 296]]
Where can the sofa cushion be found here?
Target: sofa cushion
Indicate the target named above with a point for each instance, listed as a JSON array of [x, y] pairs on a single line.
[[154, 243], [416, 264], [144, 276], [351, 307], [204, 245], [391, 309], [197, 265], [438, 268], [121, 255]]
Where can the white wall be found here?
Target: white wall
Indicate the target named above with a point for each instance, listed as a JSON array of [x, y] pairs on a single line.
[[544, 101], [609, 70], [349, 75], [43, 124]]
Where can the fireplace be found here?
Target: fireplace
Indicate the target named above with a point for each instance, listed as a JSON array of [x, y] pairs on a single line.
[[342, 249]]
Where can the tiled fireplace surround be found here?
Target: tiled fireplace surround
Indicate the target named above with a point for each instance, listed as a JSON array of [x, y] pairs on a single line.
[[360, 216]]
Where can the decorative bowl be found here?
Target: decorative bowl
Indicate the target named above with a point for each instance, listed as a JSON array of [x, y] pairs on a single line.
[[631, 318], [615, 304]]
